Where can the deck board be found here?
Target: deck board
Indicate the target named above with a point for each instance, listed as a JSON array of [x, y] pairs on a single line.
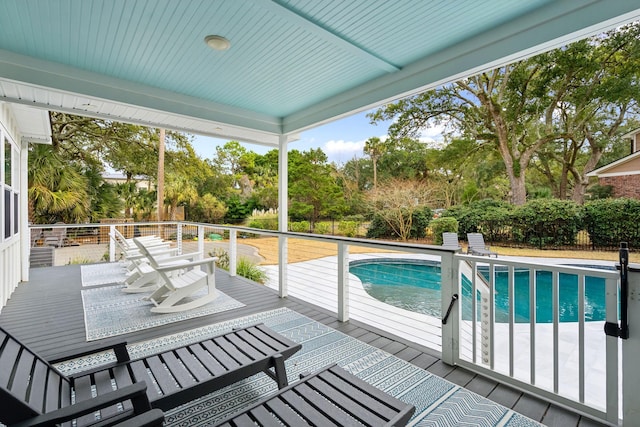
[[46, 313]]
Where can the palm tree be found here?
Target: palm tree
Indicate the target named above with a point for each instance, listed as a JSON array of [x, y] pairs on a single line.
[[178, 190], [375, 148], [57, 189]]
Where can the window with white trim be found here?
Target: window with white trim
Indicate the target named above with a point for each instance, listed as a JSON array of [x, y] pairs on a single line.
[[9, 185]]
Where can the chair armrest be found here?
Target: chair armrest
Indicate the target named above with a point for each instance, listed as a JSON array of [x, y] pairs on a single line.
[[137, 393], [187, 264], [119, 348], [167, 261], [163, 251]]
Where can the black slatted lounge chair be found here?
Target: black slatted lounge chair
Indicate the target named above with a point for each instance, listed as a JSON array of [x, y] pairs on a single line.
[[477, 246], [32, 386], [329, 397], [34, 393]]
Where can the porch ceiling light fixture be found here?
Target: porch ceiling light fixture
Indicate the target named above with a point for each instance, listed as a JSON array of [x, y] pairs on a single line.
[[217, 42]]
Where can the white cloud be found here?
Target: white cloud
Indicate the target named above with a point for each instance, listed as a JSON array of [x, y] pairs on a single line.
[[341, 151]]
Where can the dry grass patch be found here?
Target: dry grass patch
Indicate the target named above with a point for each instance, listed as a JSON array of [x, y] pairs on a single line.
[[301, 250], [305, 250]]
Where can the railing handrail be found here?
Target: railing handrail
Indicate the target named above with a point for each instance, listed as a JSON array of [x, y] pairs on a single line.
[[401, 246], [562, 268]]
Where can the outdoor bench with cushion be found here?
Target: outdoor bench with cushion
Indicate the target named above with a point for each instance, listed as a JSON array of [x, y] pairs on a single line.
[[33, 388], [329, 397]]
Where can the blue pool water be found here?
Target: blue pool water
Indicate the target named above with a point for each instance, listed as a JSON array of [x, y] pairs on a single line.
[[415, 286]]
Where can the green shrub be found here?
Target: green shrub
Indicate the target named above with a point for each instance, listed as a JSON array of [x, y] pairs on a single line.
[[419, 222], [348, 228], [244, 267], [379, 229], [442, 225], [547, 222], [600, 192], [322, 228], [300, 226], [250, 270], [264, 224], [611, 221]]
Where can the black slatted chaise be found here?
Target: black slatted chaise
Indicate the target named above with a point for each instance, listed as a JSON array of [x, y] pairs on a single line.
[[31, 386], [329, 397]]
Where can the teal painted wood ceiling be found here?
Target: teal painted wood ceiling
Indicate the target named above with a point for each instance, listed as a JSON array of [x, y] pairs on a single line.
[[291, 64]]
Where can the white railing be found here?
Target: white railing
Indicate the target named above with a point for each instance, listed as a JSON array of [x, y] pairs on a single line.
[[565, 357], [569, 363]]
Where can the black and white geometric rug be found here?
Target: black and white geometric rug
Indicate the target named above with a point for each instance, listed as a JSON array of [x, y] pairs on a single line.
[[109, 312], [438, 402]]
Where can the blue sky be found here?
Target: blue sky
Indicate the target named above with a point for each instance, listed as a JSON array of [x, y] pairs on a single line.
[[341, 140]]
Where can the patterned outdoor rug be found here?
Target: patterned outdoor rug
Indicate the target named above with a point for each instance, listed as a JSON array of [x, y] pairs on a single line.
[[109, 312], [438, 402], [102, 274]]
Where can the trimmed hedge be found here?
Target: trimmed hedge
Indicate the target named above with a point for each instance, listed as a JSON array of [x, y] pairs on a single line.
[[547, 222], [611, 221]]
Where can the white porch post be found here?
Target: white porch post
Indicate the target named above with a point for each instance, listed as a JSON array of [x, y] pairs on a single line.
[[112, 247], [201, 242], [343, 282], [630, 353], [450, 276], [25, 236], [283, 214]]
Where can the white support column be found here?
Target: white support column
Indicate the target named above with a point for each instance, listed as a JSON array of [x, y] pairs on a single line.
[[343, 282], [201, 242], [449, 287], [283, 214], [112, 246], [233, 252], [25, 236], [630, 352]]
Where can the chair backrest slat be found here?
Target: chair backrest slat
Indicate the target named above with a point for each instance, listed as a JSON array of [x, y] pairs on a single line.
[[450, 239], [9, 350], [476, 240], [29, 385]]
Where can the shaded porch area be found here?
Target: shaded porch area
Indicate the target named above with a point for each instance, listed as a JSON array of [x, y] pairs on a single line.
[[46, 313]]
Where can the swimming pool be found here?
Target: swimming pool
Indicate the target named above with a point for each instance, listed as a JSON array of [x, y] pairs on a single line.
[[415, 285]]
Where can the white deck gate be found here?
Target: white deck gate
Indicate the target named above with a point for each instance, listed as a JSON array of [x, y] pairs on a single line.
[[571, 363]]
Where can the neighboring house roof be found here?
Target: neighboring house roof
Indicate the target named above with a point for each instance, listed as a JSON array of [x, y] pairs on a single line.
[[123, 177], [629, 165]]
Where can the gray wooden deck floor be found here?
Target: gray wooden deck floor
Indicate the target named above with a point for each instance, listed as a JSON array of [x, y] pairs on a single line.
[[46, 313]]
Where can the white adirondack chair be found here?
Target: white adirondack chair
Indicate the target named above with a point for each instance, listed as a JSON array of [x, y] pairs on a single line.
[[141, 277], [130, 252], [180, 277], [177, 291]]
